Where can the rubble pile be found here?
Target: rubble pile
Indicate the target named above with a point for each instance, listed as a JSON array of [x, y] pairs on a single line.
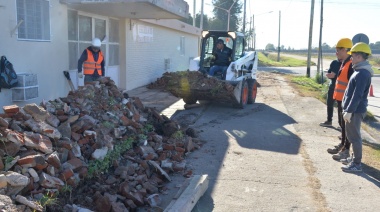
[[96, 148], [183, 84]]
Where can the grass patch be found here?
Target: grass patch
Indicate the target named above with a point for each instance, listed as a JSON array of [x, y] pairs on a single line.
[[308, 87], [270, 59]]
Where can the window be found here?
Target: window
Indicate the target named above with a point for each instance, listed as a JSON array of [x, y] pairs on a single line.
[[114, 31], [85, 28], [239, 48], [34, 18], [182, 46]]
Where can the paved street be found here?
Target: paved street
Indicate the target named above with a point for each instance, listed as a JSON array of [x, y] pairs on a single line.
[[270, 156]]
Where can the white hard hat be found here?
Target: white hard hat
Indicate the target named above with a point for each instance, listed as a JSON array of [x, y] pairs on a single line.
[[96, 42]]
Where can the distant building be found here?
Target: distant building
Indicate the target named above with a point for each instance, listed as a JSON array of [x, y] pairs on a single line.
[[142, 40]]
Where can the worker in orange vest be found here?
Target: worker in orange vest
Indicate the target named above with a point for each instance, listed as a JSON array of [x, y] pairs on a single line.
[[344, 45], [91, 62]]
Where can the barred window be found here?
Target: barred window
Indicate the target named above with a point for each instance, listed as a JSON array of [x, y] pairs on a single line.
[[34, 18]]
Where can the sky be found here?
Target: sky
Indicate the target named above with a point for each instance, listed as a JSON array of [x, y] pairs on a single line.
[[341, 19]]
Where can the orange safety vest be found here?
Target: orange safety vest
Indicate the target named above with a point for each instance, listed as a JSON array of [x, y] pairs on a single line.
[[342, 82], [90, 65]]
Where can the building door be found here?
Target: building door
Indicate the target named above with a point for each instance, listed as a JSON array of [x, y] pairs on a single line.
[[82, 28]]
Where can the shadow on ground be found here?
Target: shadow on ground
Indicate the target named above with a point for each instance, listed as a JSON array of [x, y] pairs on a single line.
[[258, 127]]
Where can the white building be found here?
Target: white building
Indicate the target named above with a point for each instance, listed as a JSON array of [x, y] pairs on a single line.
[[142, 40]]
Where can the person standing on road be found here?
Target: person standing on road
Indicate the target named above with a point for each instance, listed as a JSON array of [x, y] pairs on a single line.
[[92, 60], [332, 74], [222, 58], [343, 46], [355, 102]]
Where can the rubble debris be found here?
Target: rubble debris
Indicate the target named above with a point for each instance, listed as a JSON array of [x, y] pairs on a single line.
[[79, 145]]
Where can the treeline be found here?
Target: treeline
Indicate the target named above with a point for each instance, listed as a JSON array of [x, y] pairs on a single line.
[[375, 47]]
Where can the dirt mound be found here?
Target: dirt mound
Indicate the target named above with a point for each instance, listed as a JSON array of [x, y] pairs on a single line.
[[193, 85]]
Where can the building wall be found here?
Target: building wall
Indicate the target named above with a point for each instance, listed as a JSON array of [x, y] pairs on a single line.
[[145, 61], [140, 62], [46, 59]]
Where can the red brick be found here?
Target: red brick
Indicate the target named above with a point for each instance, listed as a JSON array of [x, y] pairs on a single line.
[[11, 109], [168, 146], [126, 121], [66, 174]]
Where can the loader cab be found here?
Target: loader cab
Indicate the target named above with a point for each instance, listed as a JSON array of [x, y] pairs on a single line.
[[233, 40]]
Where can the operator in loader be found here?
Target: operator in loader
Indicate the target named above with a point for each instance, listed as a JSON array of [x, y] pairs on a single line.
[[92, 60], [222, 58]]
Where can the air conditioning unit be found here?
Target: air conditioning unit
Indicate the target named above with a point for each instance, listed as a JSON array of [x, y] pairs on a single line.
[[27, 87]]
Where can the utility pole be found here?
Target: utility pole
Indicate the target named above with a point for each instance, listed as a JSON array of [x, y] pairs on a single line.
[[250, 29], [310, 38], [201, 24], [254, 32], [279, 30], [245, 3], [320, 45], [194, 13]]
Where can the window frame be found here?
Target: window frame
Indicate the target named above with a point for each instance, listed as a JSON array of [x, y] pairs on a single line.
[[42, 17]]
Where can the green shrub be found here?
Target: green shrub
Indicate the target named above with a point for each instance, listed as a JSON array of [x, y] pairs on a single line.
[[96, 167]]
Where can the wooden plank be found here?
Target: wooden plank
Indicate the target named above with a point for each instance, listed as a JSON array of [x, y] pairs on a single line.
[[190, 196]]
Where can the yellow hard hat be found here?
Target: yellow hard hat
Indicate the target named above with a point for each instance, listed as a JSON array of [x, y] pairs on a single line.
[[361, 47], [344, 43]]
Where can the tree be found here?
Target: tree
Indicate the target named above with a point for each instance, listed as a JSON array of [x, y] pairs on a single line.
[[221, 16], [325, 47], [206, 24], [188, 20], [375, 45], [270, 47]]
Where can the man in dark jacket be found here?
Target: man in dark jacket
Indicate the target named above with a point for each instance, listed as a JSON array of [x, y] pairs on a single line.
[[222, 60], [355, 103], [332, 74], [92, 62]]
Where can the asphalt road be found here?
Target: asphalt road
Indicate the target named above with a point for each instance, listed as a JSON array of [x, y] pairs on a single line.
[[269, 156]]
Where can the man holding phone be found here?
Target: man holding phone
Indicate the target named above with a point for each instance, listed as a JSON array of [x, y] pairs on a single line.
[[332, 74]]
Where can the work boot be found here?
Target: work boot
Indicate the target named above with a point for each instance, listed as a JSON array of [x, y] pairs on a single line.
[[335, 150], [345, 153], [326, 124]]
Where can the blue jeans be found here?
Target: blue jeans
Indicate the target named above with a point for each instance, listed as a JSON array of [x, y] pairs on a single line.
[[90, 78], [216, 68]]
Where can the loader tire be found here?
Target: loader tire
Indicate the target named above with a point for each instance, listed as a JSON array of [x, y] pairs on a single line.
[[243, 95], [252, 89], [189, 100]]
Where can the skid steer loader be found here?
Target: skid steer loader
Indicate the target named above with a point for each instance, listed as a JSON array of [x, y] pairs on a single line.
[[241, 72]]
